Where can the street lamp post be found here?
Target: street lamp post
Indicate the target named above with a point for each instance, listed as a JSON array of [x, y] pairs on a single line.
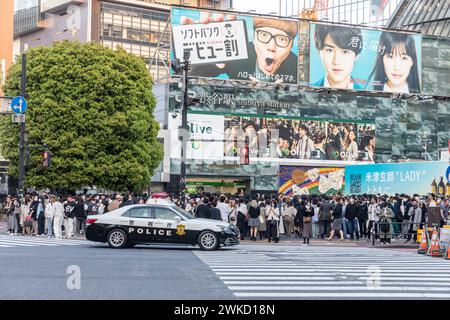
[[183, 136]]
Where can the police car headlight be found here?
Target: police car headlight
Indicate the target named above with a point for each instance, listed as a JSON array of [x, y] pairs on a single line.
[[225, 229]]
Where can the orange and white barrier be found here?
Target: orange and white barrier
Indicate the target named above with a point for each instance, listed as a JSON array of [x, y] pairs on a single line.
[[434, 250]]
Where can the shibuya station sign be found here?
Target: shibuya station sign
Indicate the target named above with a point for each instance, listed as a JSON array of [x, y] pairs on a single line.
[[226, 98]]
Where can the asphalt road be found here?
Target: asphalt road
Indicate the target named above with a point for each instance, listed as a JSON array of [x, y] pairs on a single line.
[[38, 268]]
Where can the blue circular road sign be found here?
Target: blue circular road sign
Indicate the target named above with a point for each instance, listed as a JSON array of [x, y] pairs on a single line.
[[19, 104]]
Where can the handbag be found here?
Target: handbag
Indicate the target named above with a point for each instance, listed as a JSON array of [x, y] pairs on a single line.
[[307, 219]]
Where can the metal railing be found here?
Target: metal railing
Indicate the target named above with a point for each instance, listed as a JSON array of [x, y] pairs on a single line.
[[404, 229]]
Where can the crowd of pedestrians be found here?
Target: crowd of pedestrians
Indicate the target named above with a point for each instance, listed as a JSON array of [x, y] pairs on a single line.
[[258, 217], [53, 216], [323, 217]]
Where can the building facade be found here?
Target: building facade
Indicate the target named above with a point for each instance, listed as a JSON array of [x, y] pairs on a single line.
[[406, 126], [428, 17], [362, 12], [6, 40]]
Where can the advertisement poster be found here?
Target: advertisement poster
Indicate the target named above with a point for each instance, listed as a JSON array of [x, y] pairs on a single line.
[[391, 178], [206, 135], [216, 137], [364, 59], [301, 139], [294, 180], [236, 47]]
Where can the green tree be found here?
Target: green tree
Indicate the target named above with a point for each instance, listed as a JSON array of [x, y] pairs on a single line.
[[94, 107]]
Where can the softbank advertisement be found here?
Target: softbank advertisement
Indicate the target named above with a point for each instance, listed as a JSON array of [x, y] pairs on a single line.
[[391, 178], [221, 137]]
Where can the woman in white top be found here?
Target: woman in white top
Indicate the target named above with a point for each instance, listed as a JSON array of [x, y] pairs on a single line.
[[24, 213], [273, 219], [352, 149], [373, 212]]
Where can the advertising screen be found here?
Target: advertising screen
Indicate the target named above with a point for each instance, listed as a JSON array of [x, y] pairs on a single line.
[[391, 178], [221, 137], [363, 59], [236, 47], [295, 180]]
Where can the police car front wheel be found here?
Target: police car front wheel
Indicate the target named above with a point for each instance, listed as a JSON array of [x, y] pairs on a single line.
[[117, 238], [208, 240]]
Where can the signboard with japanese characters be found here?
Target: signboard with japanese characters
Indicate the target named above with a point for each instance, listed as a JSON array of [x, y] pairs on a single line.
[[212, 42], [363, 59], [391, 178], [236, 47]]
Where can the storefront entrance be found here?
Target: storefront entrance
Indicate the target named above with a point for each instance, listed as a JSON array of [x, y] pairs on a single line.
[[225, 185]]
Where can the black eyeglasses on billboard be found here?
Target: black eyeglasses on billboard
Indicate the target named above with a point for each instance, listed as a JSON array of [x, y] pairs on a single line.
[[280, 40]]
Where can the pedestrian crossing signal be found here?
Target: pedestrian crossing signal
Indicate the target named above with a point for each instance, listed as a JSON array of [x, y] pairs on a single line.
[[46, 159]]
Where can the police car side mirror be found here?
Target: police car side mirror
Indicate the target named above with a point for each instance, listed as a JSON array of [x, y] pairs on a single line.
[[177, 219]]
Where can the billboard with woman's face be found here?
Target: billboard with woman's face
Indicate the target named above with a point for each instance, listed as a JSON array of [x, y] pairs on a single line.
[[236, 47], [363, 59]]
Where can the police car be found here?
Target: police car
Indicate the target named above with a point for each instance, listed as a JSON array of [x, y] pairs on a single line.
[[158, 221]]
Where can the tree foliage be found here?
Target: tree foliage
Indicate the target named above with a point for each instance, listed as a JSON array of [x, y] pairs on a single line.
[[94, 107]]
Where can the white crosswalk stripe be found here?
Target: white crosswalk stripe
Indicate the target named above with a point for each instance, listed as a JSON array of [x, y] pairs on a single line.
[[7, 241], [330, 273]]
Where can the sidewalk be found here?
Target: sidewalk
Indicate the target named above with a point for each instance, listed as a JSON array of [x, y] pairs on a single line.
[[292, 241]]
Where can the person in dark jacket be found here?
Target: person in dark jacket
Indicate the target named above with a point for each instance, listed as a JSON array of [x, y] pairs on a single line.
[[337, 220], [203, 211], [69, 215], [307, 213], [298, 220], [351, 213], [214, 212], [79, 215], [363, 216], [326, 207], [253, 220]]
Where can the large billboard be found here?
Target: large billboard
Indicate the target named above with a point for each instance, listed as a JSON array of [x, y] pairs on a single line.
[[217, 137], [295, 180], [391, 178], [363, 59], [236, 47]]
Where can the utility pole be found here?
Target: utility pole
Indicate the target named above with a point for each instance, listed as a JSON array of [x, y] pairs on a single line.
[[184, 127], [23, 84]]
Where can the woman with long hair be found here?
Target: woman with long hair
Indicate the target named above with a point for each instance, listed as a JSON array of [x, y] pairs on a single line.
[[253, 220], [12, 221], [25, 217], [352, 149], [337, 220], [241, 220], [396, 68]]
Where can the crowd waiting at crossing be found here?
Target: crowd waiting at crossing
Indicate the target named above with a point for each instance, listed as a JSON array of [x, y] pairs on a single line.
[[258, 217]]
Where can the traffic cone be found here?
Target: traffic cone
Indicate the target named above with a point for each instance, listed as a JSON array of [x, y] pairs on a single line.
[[423, 248], [447, 254], [435, 250]]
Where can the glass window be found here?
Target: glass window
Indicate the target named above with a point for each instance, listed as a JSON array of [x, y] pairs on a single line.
[[164, 214], [138, 213], [183, 213]]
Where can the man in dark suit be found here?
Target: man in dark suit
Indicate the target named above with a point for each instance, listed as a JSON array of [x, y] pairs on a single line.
[[203, 210]]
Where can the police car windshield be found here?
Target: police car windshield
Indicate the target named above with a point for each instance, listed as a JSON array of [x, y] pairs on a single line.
[[185, 214]]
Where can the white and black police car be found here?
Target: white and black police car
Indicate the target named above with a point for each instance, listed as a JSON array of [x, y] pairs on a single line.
[[158, 221]]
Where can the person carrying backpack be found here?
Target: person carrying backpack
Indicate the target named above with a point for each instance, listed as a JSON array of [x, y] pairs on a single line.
[[385, 223]]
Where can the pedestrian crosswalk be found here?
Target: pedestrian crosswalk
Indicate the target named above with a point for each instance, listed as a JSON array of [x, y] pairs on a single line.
[[7, 241], [330, 273]]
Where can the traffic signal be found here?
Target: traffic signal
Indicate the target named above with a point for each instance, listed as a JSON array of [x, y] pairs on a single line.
[[245, 154], [46, 159]]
